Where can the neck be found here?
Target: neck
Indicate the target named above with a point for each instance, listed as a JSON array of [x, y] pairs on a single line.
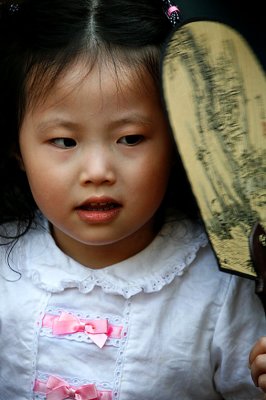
[[101, 256]]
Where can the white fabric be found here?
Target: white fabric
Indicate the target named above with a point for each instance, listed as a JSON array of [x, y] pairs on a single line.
[[187, 327]]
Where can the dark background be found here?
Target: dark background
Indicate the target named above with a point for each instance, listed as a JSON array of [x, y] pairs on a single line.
[[249, 20]]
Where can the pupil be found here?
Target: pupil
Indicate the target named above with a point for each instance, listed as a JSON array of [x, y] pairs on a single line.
[[132, 139]]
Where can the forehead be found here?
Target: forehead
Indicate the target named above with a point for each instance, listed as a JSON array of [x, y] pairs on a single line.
[[118, 77]]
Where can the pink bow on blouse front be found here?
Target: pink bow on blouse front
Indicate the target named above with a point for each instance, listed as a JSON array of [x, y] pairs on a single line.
[[97, 330], [58, 389]]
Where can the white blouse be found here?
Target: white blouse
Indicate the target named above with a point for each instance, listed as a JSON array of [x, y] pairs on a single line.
[[165, 324]]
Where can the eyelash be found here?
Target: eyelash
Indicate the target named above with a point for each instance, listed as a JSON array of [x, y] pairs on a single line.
[[68, 143], [133, 140]]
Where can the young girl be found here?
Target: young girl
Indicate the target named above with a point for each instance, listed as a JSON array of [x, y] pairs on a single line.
[[257, 360], [107, 291]]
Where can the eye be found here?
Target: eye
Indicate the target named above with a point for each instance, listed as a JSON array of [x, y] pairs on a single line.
[[64, 143], [131, 140]]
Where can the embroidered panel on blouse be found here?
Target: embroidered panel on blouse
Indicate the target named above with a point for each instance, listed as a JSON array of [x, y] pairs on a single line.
[[57, 348]]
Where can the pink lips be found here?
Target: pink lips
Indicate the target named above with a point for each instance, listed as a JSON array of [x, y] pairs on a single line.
[[98, 210]]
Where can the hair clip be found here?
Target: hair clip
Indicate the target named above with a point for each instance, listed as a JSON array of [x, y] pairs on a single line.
[[171, 11], [8, 9], [13, 8]]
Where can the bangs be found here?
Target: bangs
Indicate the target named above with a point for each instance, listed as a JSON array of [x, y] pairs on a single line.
[[42, 76]]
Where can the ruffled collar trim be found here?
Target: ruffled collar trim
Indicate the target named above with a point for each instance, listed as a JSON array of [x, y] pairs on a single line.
[[168, 256]]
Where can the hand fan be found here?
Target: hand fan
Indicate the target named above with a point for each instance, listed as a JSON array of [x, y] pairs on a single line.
[[215, 94]]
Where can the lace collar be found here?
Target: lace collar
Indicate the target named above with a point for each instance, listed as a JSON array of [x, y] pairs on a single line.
[[167, 256]]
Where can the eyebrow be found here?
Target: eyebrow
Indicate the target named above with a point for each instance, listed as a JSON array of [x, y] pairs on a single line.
[[132, 119], [43, 125], [69, 125]]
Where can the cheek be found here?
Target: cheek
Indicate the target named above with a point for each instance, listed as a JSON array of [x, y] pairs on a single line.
[[154, 175], [45, 187]]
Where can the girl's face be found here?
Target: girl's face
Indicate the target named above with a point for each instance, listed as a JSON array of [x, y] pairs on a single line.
[[97, 154]]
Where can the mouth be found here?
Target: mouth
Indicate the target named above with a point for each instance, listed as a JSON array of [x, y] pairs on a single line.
[[99, 211], [99, 206]]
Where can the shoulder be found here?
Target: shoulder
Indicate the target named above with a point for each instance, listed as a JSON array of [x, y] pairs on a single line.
[[203, 274]]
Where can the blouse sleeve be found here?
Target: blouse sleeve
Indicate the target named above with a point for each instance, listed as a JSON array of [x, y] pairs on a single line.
[[240, 323]]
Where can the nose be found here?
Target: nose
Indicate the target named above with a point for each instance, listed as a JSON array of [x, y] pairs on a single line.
[[98, 167]]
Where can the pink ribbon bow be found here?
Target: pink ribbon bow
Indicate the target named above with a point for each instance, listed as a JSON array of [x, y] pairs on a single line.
[[97, 330], [58, 389]]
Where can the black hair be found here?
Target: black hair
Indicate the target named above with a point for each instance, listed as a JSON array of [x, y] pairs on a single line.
[[39, 39]]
